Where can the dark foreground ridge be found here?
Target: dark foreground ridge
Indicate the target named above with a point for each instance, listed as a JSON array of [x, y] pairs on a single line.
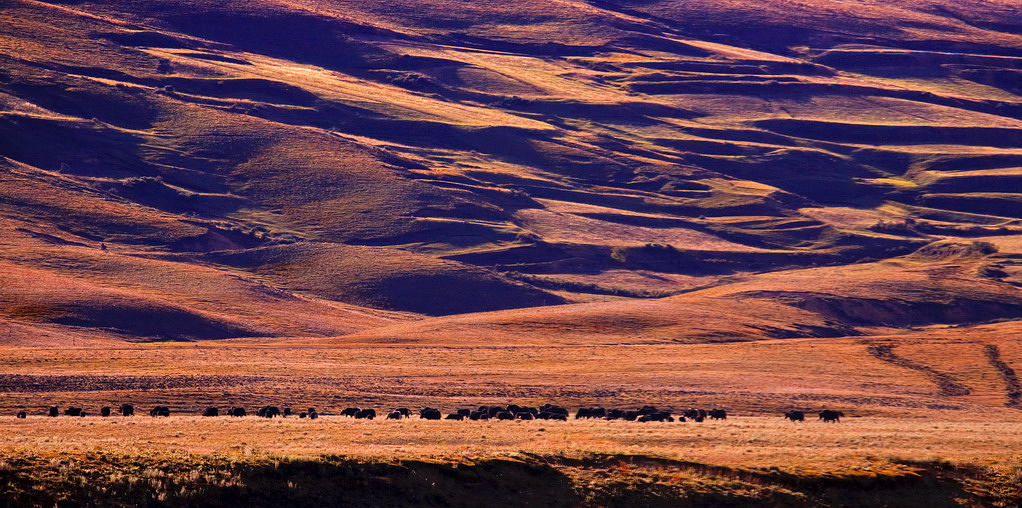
[[523, 480]]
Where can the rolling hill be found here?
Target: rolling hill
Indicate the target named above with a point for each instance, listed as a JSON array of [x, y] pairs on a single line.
[[331, 173]]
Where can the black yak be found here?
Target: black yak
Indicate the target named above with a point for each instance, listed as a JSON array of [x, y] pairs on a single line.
[[662, 416]]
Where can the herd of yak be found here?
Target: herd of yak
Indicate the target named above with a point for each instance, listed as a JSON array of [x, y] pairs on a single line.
[[508, 412]]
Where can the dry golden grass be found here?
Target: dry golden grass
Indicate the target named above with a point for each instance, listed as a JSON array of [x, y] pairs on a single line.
[[939, 374], [736, 442]]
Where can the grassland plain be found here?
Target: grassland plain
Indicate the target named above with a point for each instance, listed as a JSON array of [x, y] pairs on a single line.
[[757, 205], [346, 462], [905, 439]]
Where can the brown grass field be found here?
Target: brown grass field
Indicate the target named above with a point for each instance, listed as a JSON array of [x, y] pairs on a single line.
[[756, 205], [743, 441], [745, 460]]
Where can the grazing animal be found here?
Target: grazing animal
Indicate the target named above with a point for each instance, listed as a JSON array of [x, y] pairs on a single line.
[[350, 411], [552, 412], [22, 415], [268, 412], [366, 414], [407, 413], [478, 415], [211, 411], [718, 414], [465, 412], [127, 410], [455, 416], [505, 415], [795, 416], [54, 412], [524, 415], [237, 411], [313, 414], [662, 416], [159, 411], [591, 412], [395, 415], [104, 411], [615, 414], [287, 412], [830, 416], [303, 414], [73, 411], [430, 413]]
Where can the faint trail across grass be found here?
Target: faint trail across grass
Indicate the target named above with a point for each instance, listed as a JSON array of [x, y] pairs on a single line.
[[946, 383], [1011, 381]]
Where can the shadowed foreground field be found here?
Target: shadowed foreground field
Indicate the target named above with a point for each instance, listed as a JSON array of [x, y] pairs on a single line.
[[341, 461]]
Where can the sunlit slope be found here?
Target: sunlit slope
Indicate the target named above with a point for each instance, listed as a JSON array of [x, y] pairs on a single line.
[[445, 158], [49, 280], [925, 289]]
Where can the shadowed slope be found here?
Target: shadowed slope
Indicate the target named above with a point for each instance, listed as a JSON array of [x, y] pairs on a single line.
[[916, 290], [439, 159]]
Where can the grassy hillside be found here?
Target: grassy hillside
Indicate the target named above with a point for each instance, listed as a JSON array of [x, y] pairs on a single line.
[[644, 150]]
